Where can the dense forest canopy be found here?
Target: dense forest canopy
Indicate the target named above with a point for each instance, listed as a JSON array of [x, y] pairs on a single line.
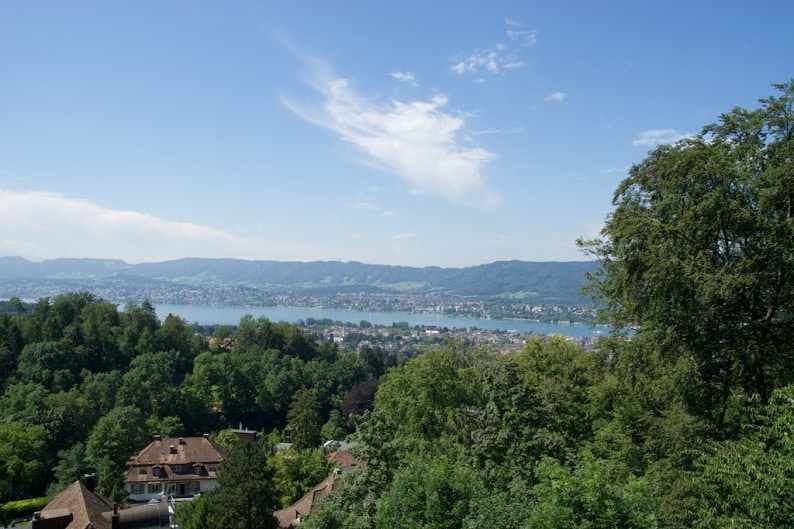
[[687, 421]]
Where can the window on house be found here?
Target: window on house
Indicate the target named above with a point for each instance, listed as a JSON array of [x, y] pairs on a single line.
[[157, 471], [155, 488], [142, 471], [137, 488], [197, 470], [172, 488], [178, 468], [194, 487], [213, 469]]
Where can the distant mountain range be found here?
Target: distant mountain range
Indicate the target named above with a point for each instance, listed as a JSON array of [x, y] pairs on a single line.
[[559, 282]]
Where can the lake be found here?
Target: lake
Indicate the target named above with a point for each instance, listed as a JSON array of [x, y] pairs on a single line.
[[230, 315]]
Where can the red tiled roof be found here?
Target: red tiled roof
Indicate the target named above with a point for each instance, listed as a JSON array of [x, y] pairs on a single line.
[[290, 517], [342, 459], [84, 505], [166, 453]]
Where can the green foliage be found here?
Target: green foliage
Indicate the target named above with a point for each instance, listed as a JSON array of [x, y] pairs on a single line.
[[296, 472], [71, 466], [699, 252], [333, 429], [749, 482], [24, 461], [21, 508], [424, 399], [434, 494], [246, 497], [588, 497], [116, 437], [304, 420]]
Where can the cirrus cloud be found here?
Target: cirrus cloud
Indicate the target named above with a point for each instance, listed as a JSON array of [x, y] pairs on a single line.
[[418, 141], [499, 57]]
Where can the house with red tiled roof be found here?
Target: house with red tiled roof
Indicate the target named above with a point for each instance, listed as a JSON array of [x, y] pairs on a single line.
[[80, 507], [178, 467]]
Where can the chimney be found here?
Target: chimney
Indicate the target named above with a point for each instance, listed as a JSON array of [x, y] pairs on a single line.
[[89, 480], [156, 437], [173, 449], [115, 522]]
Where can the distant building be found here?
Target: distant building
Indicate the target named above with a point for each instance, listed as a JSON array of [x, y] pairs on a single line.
[[178, 467]]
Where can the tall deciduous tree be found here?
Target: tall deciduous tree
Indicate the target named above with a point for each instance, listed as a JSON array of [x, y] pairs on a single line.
[[699, 252], [304, 419], [117, 436]]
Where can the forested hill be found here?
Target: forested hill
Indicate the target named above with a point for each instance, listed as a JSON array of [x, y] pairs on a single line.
[[543, 281]]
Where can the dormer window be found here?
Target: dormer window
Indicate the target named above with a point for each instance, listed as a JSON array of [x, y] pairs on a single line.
[[178, 469], [197, 470], [157, 472]]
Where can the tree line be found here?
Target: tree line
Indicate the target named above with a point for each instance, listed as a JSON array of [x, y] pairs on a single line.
[[685, 420], [86, 385]]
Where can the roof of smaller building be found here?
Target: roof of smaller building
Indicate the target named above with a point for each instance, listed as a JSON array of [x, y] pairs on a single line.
[[79, 507], [84, 505], [290, 517], [342, 459]]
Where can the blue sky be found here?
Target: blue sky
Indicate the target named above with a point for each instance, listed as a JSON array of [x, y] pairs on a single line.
[[449, 133]]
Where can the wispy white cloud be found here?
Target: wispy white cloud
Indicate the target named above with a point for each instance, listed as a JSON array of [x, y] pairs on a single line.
[[499, 57], [43, 225], [557, 97], [517, 33], [654, 137], [402, 236], [420, 141], [406, 77]]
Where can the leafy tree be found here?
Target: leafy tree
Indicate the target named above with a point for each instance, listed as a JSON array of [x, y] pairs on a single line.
[[588, 498], [100, 389], [71, 467], [295, 472], [100, 328], [171, 427], [435, 494], [11, 344], [358, 399], [699, 252], [151, 384], [424, 398], [23, 402], [749, 482], [51, 364], [140, 326], [24, 461], [116, 437], [334, 428], [245, 497], [372, 359], [304, 419]]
